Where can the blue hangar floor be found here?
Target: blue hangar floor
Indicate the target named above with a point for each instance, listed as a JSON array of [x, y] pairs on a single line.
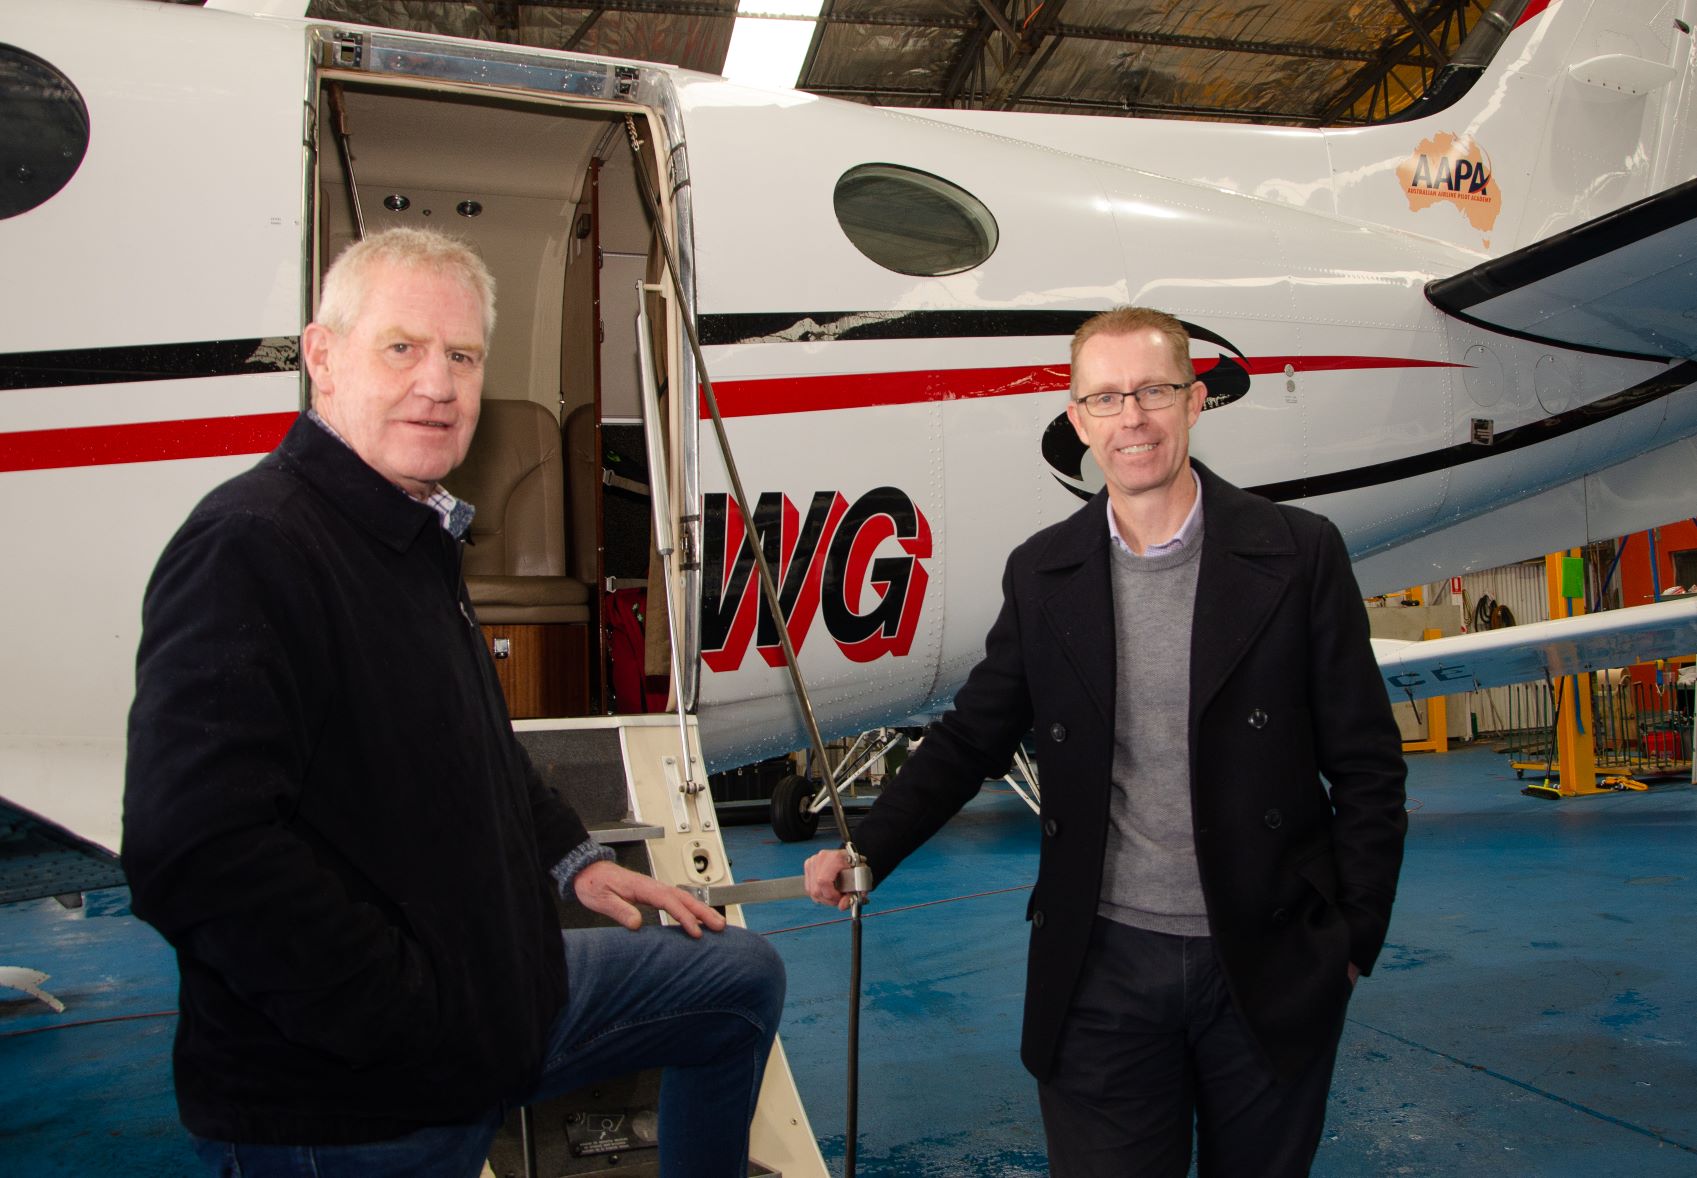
[[1533, 1013]]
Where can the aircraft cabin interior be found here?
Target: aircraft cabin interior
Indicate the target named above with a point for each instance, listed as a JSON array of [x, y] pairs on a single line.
[[558, 471]]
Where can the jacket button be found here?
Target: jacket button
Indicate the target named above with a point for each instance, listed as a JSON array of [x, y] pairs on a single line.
[[1037, 919], [1257, 719], [1281, 916], [1057, 732], [1051, 827], [1273, 819]]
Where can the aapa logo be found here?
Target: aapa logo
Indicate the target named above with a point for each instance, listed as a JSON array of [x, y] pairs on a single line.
[[824, 562], [1452, 170]]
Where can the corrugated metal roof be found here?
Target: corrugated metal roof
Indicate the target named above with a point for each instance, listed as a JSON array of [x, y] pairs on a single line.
[[1286, 61], [693, 35], [1302, 62]]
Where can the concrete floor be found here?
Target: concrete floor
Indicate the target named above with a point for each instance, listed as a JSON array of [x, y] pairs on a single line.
[[1532, 1014]]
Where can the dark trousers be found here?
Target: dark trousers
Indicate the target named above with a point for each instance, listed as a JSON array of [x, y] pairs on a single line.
[[1152, 1046]]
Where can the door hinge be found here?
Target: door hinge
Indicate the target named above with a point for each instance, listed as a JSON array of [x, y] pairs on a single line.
[[688, 560]]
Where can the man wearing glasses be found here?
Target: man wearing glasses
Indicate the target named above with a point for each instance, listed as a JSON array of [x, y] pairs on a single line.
[[1191, 661]]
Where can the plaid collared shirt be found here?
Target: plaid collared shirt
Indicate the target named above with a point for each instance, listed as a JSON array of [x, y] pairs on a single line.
[[456, 513]]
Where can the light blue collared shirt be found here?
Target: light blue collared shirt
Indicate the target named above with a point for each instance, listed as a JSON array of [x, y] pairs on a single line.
[[1187, 531]]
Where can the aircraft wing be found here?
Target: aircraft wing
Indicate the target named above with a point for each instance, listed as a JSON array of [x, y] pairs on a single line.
[[1623, 284], [1562, 646]]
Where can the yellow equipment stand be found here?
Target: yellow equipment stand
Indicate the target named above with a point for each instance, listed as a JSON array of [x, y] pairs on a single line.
[[1437, 716], [1576, 746]]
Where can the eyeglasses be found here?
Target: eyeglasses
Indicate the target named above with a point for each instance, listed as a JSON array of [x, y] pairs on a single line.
[[1150, 396]]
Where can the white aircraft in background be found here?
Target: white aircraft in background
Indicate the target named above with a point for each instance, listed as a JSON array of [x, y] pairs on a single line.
[[1468, 337]]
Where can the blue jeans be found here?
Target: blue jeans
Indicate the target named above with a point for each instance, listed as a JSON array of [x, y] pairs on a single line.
[[705, 1011]]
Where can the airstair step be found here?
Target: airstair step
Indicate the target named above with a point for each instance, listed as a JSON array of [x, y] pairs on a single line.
[[587, 766], [611, 833]]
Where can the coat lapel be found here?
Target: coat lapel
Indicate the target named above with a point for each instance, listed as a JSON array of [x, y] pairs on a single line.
[[1078, 605], [1239, 585]]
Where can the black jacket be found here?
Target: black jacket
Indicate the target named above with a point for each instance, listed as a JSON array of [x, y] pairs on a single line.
[[328, 816], [1283, 690]]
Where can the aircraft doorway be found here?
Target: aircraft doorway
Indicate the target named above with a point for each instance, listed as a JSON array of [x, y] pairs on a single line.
[[561, 565]]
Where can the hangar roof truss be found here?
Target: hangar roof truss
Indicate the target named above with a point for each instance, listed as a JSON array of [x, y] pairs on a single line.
[[1294, 62]]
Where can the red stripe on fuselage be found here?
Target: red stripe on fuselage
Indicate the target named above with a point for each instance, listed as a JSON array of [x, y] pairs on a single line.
[[211, 437], [146, 441], [814, 394], [810, 394]]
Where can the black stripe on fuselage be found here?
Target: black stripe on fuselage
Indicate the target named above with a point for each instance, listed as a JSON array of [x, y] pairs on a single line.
[[142, 362], [805, 327], [791, 327], [1543, 430]]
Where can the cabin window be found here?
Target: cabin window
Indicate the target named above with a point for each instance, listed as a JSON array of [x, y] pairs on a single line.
[[43, 131], [913, 222]]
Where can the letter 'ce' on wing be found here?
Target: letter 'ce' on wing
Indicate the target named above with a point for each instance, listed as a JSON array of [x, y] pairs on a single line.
[[1562, 646]]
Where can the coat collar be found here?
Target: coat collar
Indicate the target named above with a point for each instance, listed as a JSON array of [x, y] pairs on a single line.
[[1245, 572], [1232, 519], [1240, 581], [1079, 609], [1239, 521], [337, 473]]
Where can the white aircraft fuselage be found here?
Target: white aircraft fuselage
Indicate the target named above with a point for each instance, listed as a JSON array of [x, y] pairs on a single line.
[[900, 432]]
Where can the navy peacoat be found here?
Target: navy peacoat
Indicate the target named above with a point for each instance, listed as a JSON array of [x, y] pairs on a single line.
[[1296, 770]]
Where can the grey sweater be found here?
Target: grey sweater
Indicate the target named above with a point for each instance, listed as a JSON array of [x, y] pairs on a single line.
[[1149, 874]]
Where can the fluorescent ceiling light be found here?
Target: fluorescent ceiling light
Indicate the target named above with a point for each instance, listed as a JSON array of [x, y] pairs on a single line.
[[769, 41]]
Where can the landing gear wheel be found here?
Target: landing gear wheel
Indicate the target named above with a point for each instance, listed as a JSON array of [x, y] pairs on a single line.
[[793, 819]]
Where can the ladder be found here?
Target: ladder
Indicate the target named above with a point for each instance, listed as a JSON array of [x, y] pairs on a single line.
[[626, 778]]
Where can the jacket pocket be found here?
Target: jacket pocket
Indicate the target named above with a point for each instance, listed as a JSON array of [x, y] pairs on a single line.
[[1316, 864]]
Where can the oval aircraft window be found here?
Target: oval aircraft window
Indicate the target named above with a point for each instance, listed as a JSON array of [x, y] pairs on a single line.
[[43, 131], [913, 222]]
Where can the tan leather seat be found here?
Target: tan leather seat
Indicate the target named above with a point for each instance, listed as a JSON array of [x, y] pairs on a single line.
[[516, 564]]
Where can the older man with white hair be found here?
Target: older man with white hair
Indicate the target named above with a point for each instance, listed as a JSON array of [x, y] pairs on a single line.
[[328, 816]]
